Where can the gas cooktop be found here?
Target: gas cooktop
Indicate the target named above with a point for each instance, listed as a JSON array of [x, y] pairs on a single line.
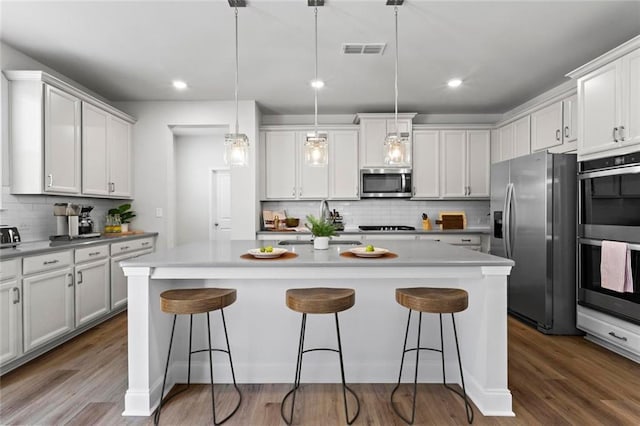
[[386, 228]]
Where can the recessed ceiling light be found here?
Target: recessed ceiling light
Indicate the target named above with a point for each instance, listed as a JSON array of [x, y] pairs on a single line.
[[178, 84], [454, 82], [317, 84]]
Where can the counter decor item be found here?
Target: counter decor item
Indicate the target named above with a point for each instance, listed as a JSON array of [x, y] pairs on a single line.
[[121, 217], [322, 231], [426, 223]]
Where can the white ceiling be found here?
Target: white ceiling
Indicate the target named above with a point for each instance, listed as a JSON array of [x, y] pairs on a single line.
[[506, 51]]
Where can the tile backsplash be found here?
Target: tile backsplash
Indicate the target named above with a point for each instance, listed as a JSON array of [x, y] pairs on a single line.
[[387, 211], [33, 214]]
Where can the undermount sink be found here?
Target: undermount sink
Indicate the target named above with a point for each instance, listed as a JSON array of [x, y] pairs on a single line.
[[309, 242]]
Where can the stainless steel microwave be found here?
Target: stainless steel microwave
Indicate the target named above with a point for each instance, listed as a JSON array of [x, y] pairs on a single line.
[[385, 183]]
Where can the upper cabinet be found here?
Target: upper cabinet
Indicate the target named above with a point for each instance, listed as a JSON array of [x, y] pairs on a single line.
[[106, 153], [344, 175], [373, 131], [513, 140], [555, 125], [609, 103], [451, 163], [64, 141]]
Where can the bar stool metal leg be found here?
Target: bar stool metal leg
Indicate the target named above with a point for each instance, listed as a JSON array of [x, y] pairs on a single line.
[[296, 380], [156, 417], [346, 388], [467, 405]]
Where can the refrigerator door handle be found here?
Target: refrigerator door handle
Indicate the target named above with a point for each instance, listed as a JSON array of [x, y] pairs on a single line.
[[512, 221], [507, 221]]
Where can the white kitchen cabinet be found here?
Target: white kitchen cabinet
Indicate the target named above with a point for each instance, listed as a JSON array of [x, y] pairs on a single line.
[[495, 146], [45, 138], [464, 161], [287, 177], [394, 236], [546, 127], [106, 153], [426, 164], [10, 311], [609, 105], [620, 336], [124, 251], [506, 137], [92, 283], [47, 306], [468, 241], [373, 131], [570, 119], [522, 136], [344, 175]]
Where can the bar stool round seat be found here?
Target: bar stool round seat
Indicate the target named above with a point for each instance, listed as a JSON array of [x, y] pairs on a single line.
[[319, 300], [192, 301], [433, 300], [437, 301], [196, 300]]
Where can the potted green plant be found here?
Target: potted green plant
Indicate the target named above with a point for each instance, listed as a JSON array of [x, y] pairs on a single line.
[[126, 215], [322, 231]]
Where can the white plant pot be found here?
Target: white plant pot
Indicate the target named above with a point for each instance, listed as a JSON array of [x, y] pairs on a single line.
[[321, 243], [124, 227]]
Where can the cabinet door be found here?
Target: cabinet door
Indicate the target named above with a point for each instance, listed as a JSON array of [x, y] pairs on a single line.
[[495, 146], [119, 143], [598, 109], [546, 127], [522, 137], [478, 160], [506, 142], [280, 165], [631, 98], [61, 142], [453, 163], [373, 132], [426, 162], [10, 321], [119, 280], [47, 306], [95, 172], [313, 181], [92, 291], [343, 165], [570, 119]]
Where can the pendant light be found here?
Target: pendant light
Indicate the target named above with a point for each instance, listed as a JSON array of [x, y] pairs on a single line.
[[236, 145], [396, 145], [315, 146]]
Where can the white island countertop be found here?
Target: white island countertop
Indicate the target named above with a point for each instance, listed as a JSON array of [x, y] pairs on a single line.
[[264, 333]]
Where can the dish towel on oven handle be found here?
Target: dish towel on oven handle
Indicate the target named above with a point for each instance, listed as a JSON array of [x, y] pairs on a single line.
[[615, 267]]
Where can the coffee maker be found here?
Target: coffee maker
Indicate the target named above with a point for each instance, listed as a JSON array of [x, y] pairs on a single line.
[[66, 219], [85, 224]]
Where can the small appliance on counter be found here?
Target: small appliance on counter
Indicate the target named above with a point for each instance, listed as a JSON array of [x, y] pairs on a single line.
[[337, 220], [67, 222], [85, 225], [10, 236]]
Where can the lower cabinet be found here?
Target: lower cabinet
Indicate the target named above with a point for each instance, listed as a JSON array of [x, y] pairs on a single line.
[[47, 306], [471, 242], [119, 281], [92, 291], [10, 321]]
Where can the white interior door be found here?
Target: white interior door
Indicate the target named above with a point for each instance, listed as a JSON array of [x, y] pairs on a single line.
[[220, 206]]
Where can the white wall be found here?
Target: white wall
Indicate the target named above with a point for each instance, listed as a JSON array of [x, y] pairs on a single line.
[[153, 153], [195, 157]]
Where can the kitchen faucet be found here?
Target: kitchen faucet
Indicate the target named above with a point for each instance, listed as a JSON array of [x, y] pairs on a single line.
[[325, 213]]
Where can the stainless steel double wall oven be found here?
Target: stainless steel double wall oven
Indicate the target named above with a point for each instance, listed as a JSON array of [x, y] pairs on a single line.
[[609, 210]]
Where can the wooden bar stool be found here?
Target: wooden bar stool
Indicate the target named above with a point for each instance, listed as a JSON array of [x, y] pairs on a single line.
[[319, 301], [197, 301], [439, 301]]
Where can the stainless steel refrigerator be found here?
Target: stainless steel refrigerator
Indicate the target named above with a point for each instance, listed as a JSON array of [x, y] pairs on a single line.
[[533, 222]]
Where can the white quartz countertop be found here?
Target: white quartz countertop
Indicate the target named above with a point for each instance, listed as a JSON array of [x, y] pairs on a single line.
[[412, 253], [477, 230]]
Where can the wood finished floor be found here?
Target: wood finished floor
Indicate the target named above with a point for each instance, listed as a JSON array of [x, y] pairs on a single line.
[[559, 380]]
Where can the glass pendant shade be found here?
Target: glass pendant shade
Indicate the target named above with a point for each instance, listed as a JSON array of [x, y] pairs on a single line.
[[315, 150], [397, 149], [236, 149]]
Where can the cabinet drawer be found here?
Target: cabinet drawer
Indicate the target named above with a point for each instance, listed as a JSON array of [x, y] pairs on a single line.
[[92, 253], [619, 335], [132, 245], [9, 269], [47, 262], [461, 240]]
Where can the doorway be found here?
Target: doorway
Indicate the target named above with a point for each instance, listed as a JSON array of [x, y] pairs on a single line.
[[201, 190]]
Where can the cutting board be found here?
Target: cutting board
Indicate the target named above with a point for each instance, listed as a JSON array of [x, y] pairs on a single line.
[[452, 220]]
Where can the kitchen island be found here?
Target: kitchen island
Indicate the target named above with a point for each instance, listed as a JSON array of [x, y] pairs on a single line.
[[264, 333]]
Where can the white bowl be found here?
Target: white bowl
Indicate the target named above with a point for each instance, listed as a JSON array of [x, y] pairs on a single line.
[[362, 252], [277, 252]]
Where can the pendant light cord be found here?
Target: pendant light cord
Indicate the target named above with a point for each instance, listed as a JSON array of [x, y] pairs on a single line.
[[396, 81], [237, 131], [315, 11]]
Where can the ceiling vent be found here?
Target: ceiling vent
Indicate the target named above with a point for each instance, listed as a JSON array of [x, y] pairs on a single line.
[[363, 48]]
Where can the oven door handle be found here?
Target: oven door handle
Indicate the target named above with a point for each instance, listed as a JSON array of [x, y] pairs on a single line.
[[591, 242], [630, 170]]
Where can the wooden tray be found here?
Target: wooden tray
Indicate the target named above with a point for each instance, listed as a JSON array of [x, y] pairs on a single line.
[[452, 220], [120, 234], [285, 256], [350, 255]]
